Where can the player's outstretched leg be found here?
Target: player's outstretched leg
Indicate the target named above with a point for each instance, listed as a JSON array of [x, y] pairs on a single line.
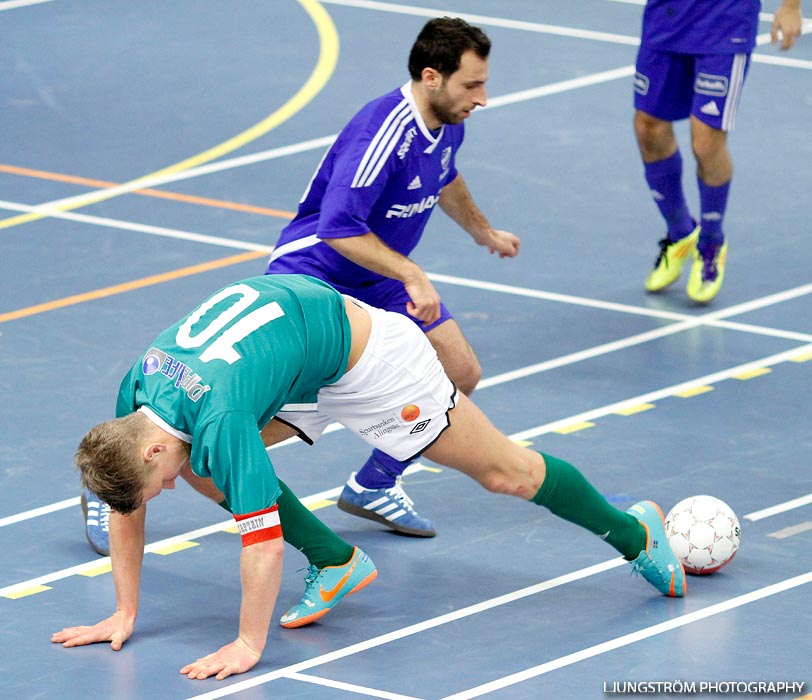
[[475, 447], [327, 586], [657, 563]]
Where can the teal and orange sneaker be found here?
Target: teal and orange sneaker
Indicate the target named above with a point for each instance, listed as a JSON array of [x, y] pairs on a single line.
[[669, 262], [657, 563], [326, 587]]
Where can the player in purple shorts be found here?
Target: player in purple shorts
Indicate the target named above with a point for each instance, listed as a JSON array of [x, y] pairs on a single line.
[[692, 63], [364, 212]]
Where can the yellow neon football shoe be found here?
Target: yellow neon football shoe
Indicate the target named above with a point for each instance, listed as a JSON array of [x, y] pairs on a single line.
[[668, 265], [707, 273]]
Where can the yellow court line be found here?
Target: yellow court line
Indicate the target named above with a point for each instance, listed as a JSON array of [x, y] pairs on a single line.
[[98, 571], [160, 194], [575, 427], [693, 391], [328, 58], [803, 357], [130, 286], [637, 408], [753, 373], [27, 592], [177, 547]]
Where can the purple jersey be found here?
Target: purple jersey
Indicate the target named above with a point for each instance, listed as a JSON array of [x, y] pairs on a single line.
[[701, 26], [383, 174]]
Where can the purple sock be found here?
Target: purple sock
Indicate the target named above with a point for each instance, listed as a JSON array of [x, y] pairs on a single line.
[[380, 471], [664, 178], [713, 201]]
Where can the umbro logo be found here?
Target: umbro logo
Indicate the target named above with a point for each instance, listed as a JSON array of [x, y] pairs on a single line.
[[710, 108], [420, 427], [415, 184]]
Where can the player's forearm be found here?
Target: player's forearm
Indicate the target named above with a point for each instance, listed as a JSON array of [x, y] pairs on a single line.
[[126, 554], [457, 202], [370, 252], [261, 573]]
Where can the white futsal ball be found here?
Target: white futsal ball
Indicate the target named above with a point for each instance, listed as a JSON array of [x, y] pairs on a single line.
[[704, 533]]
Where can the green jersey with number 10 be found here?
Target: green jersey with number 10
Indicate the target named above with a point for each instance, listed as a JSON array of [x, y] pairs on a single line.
[[220, 374]]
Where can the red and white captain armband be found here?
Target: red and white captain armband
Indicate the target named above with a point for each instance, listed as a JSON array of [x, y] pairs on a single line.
[[259, 526]]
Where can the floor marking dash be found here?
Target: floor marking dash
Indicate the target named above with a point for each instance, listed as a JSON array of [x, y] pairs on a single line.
[[751, 374], [693, 391], [791, 530], [98, 571], [574, 428], [632, 410], [176, 547], [14, 595]]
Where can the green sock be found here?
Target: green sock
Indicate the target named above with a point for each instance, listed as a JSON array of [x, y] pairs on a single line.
[[307, 533], [567, 494]]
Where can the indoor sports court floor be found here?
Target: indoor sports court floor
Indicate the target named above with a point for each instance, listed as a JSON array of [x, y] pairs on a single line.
[[150, 154]]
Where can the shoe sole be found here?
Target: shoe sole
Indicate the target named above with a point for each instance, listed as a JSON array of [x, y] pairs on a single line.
[[362, 512], [308, 619], [87, 536]]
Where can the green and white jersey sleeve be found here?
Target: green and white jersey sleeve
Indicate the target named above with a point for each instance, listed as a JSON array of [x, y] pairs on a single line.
[[222, 372]]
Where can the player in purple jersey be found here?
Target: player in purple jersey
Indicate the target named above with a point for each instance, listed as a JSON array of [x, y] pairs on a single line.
[[366, 208], [693, 59]]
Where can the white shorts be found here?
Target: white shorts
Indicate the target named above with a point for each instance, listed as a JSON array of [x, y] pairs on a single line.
[[396, 398]]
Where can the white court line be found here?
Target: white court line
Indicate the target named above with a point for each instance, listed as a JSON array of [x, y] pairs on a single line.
[[338, 685], [556, 30], [626, 639], [14, 4], [36, 512], [487, 21], [780, 508]]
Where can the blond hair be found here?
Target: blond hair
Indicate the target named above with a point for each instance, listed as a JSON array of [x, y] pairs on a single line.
[[110, 462]]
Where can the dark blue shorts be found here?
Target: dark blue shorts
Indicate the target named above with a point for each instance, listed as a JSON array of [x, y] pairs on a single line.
[[674, 86]]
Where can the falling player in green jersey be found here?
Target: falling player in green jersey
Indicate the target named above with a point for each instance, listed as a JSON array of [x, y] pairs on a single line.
[[271, 357]]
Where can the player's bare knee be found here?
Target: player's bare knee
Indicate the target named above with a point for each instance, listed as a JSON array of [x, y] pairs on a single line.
[[654, 137]]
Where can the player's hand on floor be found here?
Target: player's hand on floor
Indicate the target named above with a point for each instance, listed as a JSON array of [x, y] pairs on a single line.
[[236, 657], [116, 629]]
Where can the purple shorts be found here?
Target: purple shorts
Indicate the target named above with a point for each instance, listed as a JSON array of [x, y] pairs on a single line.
[[673, 86]]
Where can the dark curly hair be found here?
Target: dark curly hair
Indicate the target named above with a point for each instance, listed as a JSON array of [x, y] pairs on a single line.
[[441, 44]]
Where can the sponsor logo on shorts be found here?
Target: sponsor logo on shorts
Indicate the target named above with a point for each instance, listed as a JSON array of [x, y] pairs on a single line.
[[641, 84], [707, 84], [383, 427], [420, 427], [410, 413], [157, 361]]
